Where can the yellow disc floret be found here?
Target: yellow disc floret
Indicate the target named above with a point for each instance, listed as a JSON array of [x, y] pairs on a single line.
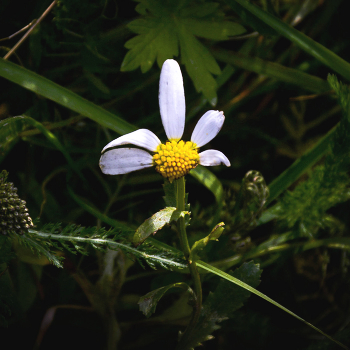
[[175, 159]]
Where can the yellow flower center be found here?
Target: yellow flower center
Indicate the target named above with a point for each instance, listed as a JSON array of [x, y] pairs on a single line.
[[175, 159]]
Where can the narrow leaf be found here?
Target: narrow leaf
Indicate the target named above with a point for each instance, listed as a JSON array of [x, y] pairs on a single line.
[[307, 44], [235, 280], [273, 70], [225, 300], [47, 88]]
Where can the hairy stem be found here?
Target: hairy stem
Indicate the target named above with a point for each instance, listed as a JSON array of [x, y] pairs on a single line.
[[197, 287]]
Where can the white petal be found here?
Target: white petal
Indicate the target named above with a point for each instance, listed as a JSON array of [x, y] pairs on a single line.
[[172, 100], [124, 160], [207, 127], [212, 157], [143, 138]]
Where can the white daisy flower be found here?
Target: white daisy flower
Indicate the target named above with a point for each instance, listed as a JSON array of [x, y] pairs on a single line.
[[175, 158]]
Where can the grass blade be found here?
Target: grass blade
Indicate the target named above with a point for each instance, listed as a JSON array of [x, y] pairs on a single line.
[[232, 279], [47, 88], [307, 44]]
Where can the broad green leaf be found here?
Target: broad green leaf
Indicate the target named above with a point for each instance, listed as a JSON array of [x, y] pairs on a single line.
[[156, 222], [225, 300], [307, 44], [199, 63], [201, 244], [148, 302], [166, 26], [47, 88], [273, 70]]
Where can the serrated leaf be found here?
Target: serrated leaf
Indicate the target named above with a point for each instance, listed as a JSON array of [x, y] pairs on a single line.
[[166, 26], [222, 304], [199, 63], [156, 222], [201, 244], [343, 93], [41, 250], [148, 302]]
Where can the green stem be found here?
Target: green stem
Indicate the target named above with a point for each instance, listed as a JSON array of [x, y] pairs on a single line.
[[197, 287]]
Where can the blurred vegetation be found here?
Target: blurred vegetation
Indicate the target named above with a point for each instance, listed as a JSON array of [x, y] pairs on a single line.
[[287, 126]]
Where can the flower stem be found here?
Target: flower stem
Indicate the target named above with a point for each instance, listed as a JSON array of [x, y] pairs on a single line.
[[197, 287]]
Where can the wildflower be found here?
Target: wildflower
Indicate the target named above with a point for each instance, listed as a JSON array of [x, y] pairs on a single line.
[[175, 158]]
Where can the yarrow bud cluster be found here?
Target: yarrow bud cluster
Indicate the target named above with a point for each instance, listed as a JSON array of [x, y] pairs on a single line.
[[175, 159], [14, 217]]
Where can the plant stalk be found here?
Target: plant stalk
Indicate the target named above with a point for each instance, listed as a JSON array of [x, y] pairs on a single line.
[[197, 287]]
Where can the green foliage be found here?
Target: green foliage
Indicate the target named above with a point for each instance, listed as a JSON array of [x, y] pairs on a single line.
[[306, 207], [148, 302], [156, 222], [253, 21], [201, 244], [165, 26], [250, 201], [65, 83], [224, 301], [73, 238]]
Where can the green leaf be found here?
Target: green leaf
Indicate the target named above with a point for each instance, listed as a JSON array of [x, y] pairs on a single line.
[[209, 180], [199, 63], [222, 304], [305, 208], [148, 302], [156, 222], [321, 53], [213, 184], [47, 88], [213, 30], [251, 20], [343, 93], [246, 286], [166, 26], [201, 244], [40, 249], [99, 239], [273, 70]]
